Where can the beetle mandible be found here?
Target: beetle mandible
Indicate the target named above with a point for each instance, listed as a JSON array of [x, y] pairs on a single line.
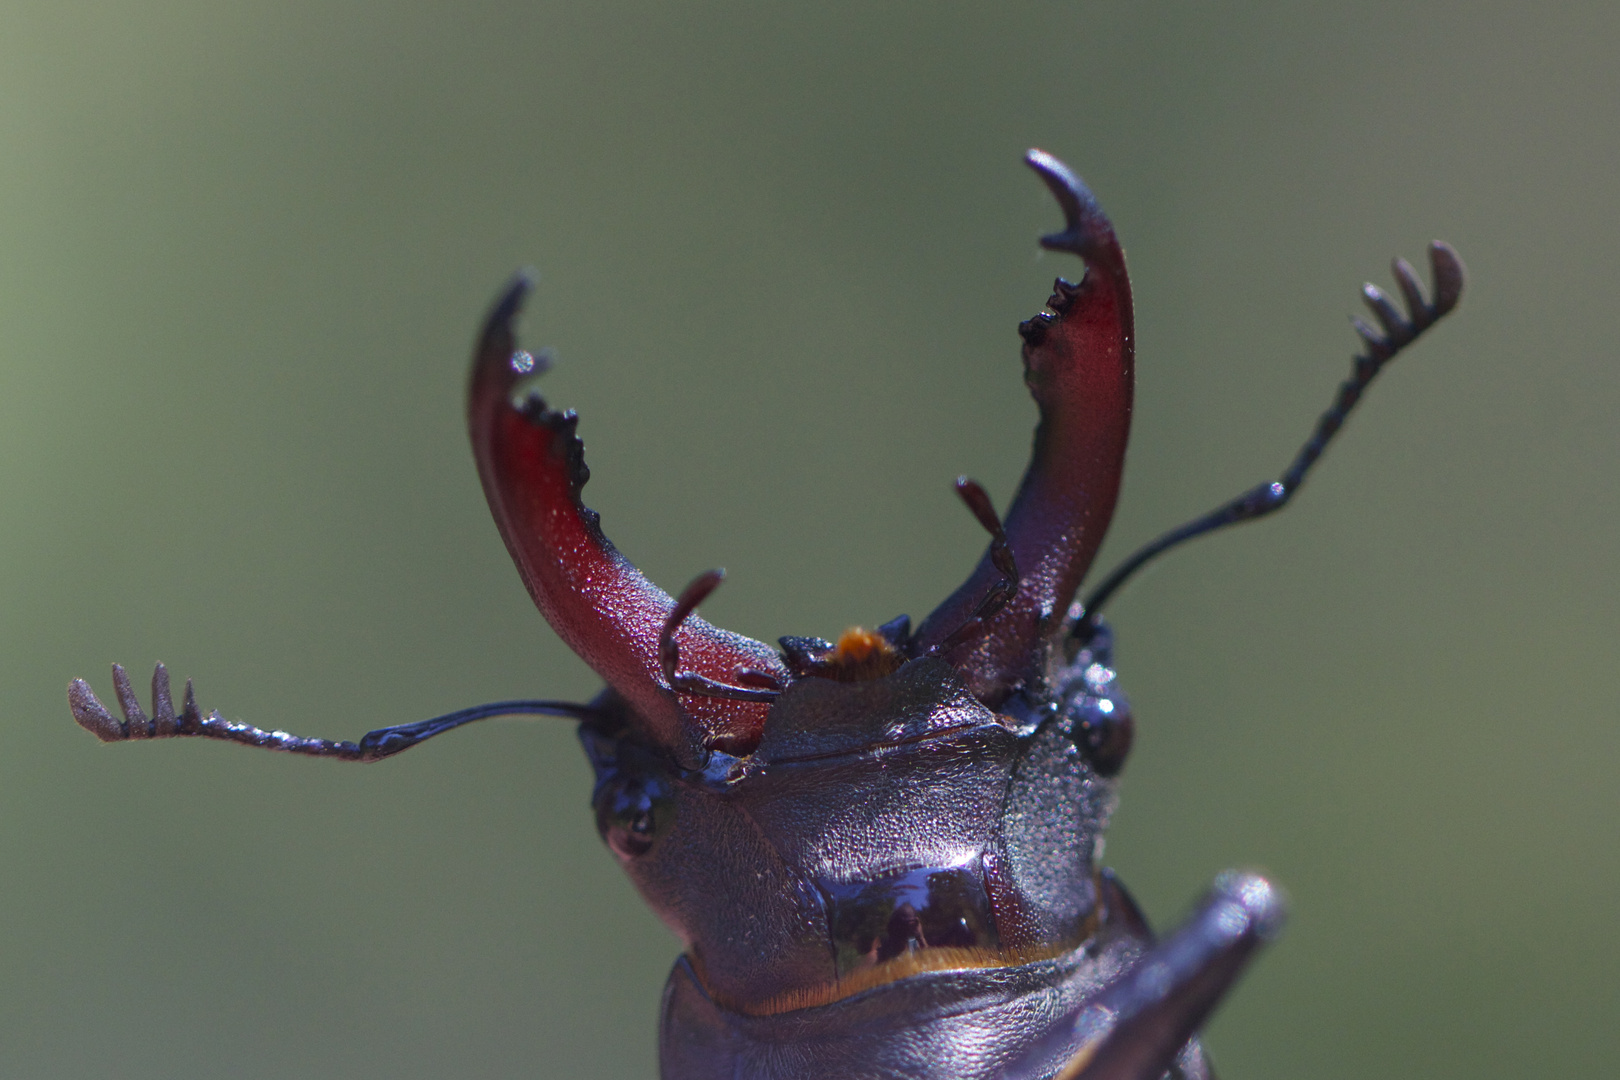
[[880, 853]]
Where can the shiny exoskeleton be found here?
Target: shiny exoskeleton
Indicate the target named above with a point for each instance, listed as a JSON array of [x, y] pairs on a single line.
[[880, 853]]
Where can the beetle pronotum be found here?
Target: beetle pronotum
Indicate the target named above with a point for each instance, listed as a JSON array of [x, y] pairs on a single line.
[[879, 852]]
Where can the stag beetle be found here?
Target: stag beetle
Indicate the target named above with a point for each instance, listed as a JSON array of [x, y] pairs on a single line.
[[880, 853]]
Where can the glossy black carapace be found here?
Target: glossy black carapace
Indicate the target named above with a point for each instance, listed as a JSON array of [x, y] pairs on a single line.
[[879, 852]]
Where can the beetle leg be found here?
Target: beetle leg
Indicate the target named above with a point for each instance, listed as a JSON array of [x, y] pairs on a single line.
[[1382, 345], [1135, 1028], [93, 716]]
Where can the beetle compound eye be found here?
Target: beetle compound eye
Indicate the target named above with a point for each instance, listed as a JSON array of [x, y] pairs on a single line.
[[1100, 717], [632, 813], [1104, 730]]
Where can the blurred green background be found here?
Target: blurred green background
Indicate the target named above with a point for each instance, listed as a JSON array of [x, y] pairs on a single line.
[[244, 247]]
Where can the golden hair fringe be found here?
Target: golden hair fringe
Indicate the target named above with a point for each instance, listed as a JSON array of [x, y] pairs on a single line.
[[900, 967]]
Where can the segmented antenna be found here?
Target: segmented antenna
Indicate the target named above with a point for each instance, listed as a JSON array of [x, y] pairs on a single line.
[[1383, 342], [164, 723]]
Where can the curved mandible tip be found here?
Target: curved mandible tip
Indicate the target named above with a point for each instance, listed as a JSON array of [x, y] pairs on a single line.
[[1086, 227], [498, 323]]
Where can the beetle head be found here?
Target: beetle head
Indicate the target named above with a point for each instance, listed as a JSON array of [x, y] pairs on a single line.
[[801, 815], [1078, 364]]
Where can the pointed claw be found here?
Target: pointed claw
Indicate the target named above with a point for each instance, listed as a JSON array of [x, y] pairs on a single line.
[[1417, 301], [92, 715], [498, 332], [1079, 205], [163, 718], [1448, 276], [139, 726], [1397, 330]]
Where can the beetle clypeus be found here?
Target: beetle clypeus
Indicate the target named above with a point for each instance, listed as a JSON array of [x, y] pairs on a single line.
[[879, 852]]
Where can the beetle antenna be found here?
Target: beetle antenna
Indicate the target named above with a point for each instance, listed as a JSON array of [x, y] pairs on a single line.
[[165, 723], [1001, 557], [690, 682], [1383, 343]]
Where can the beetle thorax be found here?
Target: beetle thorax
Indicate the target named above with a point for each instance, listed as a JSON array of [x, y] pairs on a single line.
[[881, 829]]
